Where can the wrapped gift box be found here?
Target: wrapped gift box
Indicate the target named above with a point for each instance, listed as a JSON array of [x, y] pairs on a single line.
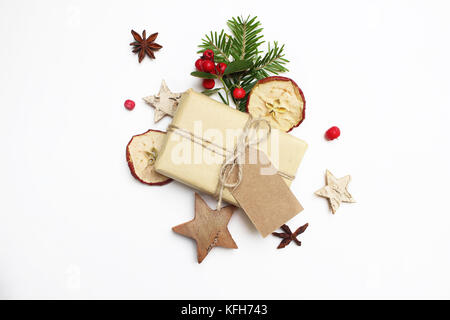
[[203, 129]]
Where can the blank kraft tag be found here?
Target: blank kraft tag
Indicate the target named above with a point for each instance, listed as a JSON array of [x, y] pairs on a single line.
[[265, 198]]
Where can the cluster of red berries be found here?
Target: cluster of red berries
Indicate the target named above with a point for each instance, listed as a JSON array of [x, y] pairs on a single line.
[[206, 64]]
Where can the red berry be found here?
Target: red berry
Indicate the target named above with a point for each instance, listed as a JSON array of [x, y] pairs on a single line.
[[199, 64], [238, 93], [208, 55], [333, 133], [129, 104], [208, 83], [220, 67], [208, 66]]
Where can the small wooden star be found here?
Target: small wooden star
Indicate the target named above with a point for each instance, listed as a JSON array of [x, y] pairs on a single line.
[[165, 102], [288, 236], [208, 228], [336, 191]]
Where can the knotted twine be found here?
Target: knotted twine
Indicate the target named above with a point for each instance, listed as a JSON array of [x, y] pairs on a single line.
[[247, 138]]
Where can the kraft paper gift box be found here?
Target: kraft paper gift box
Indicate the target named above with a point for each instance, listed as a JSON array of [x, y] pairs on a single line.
[[200, 126]]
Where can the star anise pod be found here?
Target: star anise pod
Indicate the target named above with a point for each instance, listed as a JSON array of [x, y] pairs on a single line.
[[144, 45], [288, 236]]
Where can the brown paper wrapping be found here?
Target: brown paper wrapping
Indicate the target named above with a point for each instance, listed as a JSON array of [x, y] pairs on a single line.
[[197, 170]]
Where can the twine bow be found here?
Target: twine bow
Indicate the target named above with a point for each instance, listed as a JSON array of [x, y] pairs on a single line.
[[248, 137]]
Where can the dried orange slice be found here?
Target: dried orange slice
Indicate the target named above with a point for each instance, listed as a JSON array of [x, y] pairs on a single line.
[[142, 151], [278, 100]]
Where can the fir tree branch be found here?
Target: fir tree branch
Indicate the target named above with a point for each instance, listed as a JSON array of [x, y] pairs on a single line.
[[247, 37], [220, 44], [243, 44], [273, 61]]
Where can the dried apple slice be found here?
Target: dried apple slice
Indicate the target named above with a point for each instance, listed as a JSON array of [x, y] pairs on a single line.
[[278, 100], [142, 151]]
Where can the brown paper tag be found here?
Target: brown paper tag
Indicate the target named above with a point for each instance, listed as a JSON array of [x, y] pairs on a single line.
[[264, 196]]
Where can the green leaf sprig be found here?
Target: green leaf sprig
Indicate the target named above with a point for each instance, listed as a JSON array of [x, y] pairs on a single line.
[[246, 63]]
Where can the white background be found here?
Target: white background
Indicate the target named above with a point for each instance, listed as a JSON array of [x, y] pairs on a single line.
[[75, 224]]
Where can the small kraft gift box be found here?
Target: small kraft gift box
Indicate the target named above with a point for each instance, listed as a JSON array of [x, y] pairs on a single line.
[[221, 151]]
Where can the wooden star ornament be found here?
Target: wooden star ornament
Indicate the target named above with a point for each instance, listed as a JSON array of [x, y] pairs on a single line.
[[208, 228], [165, 102], [336, 191]]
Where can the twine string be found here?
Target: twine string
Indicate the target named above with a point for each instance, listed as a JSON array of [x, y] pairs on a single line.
[[233, 159], [247, 138]]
